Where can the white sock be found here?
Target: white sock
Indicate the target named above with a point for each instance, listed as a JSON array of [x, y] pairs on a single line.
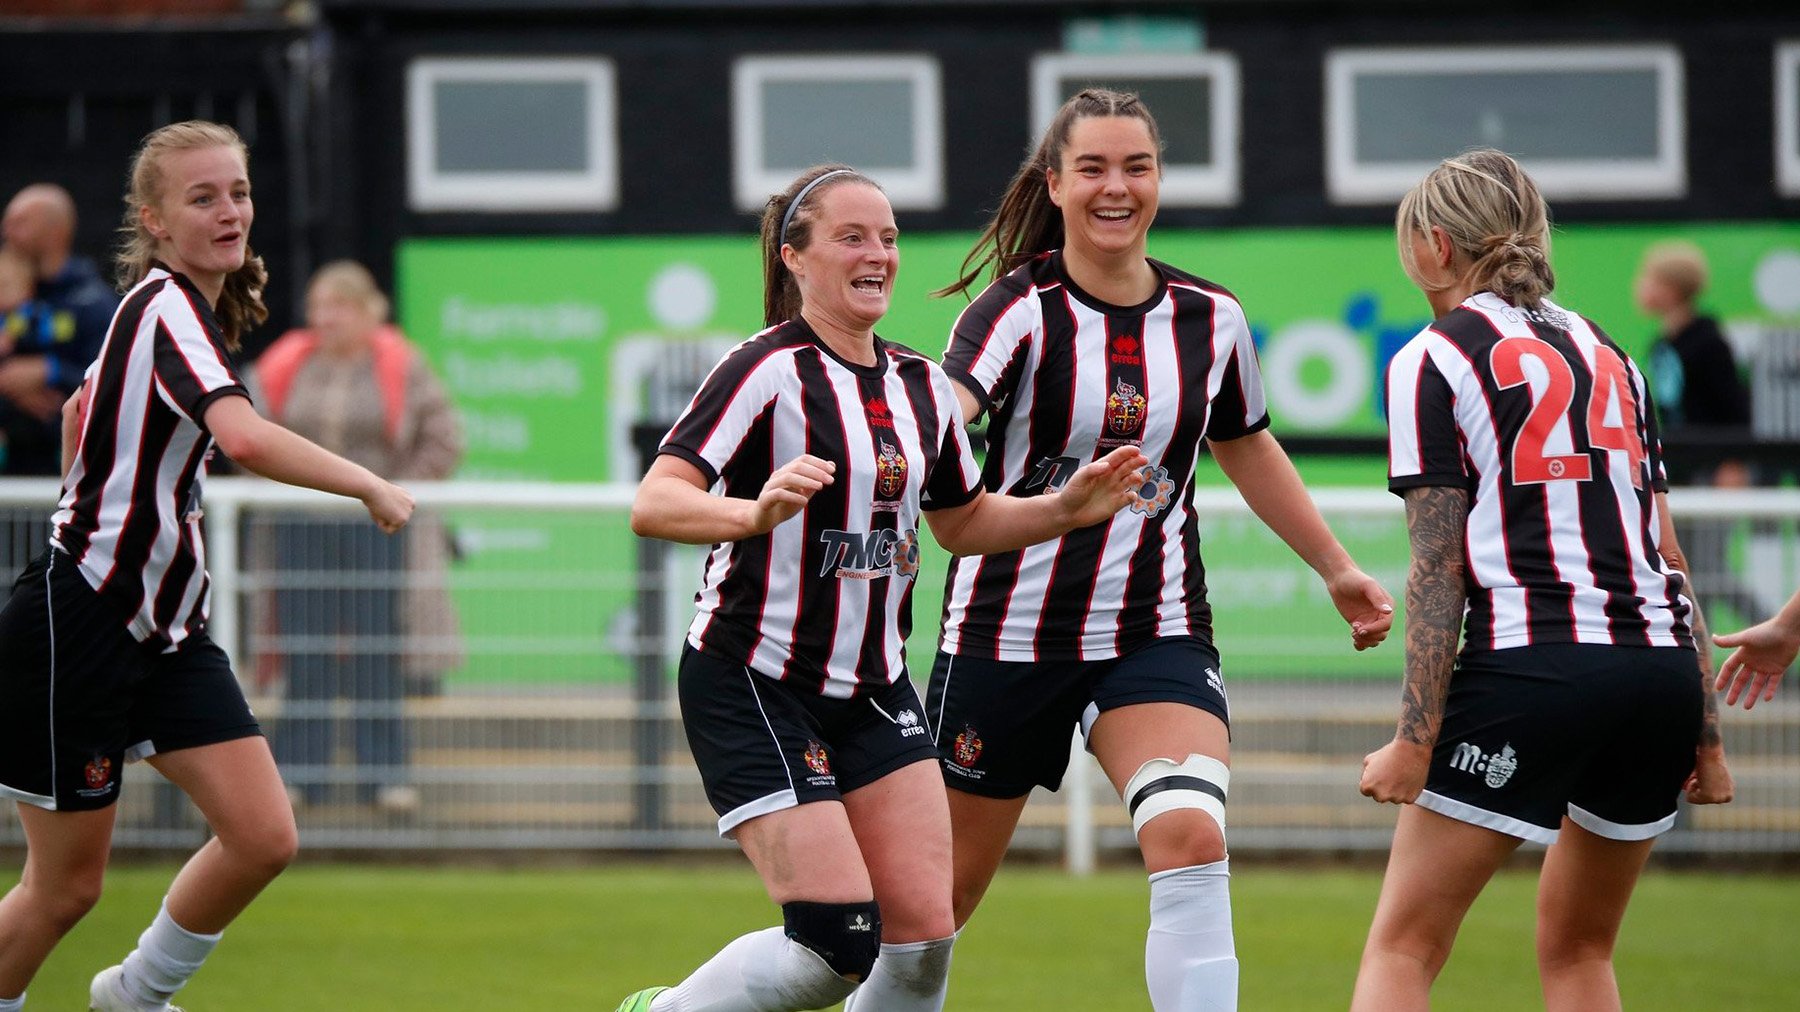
[[166, 957], [908, 977], [1190, 960], [13, 1004], [764, 971]]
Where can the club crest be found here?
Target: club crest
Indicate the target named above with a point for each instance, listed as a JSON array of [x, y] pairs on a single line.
[[817, 760], [1501, 766], [98, 772], [890, 470], [1125, 409], [966, 749]]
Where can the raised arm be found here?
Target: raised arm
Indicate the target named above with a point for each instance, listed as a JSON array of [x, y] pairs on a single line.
[[1711, 783], [673, 503], [1266, 478], [1764, 653], [265, 448], [1435, 596], [1000, 523]]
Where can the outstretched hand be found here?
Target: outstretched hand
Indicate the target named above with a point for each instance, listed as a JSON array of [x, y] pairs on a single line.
[[788, 490], [1764, 653], [1104, 487], [390, 506], [1365, 604]]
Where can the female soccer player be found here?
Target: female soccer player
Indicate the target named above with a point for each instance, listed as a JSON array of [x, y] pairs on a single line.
[[1524, 444], [104, 655], [828, 443], [1082, 344]]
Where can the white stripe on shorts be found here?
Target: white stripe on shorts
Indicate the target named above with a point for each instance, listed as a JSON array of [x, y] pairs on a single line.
[[1462, 811], [1617, 830]]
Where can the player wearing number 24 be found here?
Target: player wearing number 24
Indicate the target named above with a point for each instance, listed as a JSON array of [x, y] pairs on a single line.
[[1576, 711]]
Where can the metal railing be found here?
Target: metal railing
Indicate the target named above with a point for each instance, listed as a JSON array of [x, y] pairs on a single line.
[[543, 717]]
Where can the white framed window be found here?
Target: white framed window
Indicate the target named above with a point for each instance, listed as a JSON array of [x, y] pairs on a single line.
[[512, 134], [882, 114], [1194, 97], [1588, 122], [1787, 119]]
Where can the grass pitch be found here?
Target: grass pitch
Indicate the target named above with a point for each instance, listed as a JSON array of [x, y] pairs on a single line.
[[385, 939]]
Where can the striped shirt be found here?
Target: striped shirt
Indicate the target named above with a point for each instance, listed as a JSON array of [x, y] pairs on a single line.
[[1067, 379], [823, 601], [1548, 425], [130, 509]]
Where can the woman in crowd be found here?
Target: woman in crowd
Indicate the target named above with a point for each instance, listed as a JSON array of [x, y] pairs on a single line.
[[353, 384]]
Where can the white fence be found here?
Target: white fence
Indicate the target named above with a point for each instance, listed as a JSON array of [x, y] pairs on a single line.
[[544, 717]]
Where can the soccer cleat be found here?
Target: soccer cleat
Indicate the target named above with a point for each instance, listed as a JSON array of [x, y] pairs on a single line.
[[640, 1001], [106, 995]]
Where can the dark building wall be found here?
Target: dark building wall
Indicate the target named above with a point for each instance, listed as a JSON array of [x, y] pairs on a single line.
[[77, 102], [674, 64]]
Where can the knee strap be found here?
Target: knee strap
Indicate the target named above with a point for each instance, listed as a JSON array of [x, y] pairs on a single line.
[[847, 936], [1164, 785]]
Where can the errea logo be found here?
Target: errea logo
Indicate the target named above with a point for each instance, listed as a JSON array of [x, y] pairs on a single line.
[[909, 723]]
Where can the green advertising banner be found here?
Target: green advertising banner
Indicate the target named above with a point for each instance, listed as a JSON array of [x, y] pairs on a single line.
[[555, 348]]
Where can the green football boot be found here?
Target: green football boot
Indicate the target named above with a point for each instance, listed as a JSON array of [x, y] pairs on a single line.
[[640, 1001]]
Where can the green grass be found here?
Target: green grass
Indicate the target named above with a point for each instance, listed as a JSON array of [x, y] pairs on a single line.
[[388, 939]]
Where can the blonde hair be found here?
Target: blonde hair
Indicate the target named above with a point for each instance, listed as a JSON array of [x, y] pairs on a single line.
[[1678, 264], [781, 293], [241, 302], [351, 280], [1495, 218], [1028, 222]]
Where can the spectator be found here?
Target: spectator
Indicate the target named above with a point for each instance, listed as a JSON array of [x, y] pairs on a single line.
[[353, 384], [46, 362], [1695, 383], [1694, 378]]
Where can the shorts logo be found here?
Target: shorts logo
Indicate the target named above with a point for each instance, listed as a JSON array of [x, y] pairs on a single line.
[[1498, 767], [909, 723], [817, 760], [1153, 493], [98, 773], [966, 749], [1214, 682], [858, 922]]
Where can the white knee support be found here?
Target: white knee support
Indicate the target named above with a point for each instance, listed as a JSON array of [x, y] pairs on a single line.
[[1164, 785]]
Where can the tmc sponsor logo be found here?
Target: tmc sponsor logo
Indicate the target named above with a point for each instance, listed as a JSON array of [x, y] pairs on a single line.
[[866, 555]]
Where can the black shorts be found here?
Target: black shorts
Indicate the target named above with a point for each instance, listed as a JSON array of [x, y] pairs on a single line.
[[1002, 727], [76, 705], [1605, 735], [762, 747]]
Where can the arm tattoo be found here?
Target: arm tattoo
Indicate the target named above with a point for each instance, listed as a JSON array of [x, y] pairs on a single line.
[[1709, 707], [1435, 595]]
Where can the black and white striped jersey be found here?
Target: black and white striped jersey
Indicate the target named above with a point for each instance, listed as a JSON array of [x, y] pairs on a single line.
[[823, 601], [130, 509], [1066, 379], [1549, 426]]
